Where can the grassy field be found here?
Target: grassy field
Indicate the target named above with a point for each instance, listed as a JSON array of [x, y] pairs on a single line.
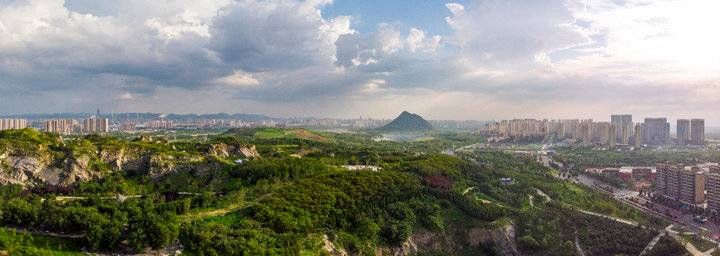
[[14, 243], [270, 133]]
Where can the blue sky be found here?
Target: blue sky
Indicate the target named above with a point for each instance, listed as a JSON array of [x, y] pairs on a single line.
[[471, 59], [427, 14]]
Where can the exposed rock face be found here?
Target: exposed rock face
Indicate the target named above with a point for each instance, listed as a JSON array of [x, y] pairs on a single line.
[[41, 167], [330, 247], [37, 170], [502, 238], [225, 150], [419, 242]]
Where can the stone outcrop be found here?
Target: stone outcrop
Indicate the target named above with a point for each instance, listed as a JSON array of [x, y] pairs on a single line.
[[42, 167], [238, 151], [502, 238], [38, 170]]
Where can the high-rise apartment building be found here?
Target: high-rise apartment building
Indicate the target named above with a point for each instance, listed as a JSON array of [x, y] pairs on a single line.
[[585, 131], [692, 186], [161, 124], [569, 128], [7, 124], [601, 132], [656, 131], [661, 179], [680, 184], [612, 139], [697, 131], [95, 125], [638, 135], [62, 126], [683, 132], [623, 128], [713, 189]]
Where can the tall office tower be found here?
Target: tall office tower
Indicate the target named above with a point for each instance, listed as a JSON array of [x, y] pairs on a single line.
[[683, 132], [692, 186], [697, 131], [713, 189], [623, 127], [656, 131], [638, 135]]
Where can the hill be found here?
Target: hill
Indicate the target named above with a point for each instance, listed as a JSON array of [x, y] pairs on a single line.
[[407, 122], [93, 194]]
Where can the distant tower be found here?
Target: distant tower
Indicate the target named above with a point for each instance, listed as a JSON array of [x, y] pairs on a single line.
[[683, 132], [697, 131], [98, 113]]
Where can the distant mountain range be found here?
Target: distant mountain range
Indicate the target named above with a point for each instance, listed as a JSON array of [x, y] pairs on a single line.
[[407, 122]]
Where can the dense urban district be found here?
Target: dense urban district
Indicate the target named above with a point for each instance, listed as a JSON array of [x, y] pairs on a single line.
[[96, 185]]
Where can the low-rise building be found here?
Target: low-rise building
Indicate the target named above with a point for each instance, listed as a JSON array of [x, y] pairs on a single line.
[[642, 174]]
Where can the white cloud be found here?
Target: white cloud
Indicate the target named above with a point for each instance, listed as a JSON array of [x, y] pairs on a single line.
[[126, 96], [238, 78], [499, 58], [660, 41]]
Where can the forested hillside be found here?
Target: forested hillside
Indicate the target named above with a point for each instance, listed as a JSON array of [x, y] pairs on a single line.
[[297, 192]]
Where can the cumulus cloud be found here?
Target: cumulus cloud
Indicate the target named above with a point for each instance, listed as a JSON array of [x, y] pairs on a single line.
[[499, 57], [513, 34], [269, 35], [238, 78]]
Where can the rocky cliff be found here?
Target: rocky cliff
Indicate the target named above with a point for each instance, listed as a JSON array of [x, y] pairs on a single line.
[[42, 165], [501, 239]]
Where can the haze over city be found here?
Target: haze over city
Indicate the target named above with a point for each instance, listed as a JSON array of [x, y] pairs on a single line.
[[444, 59]]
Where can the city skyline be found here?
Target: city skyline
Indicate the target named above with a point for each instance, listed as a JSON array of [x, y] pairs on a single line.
[[345, 59], [122, 115]]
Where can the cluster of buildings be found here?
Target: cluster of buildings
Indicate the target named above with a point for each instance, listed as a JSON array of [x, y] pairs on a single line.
[[620, 130], [68, 126], [161, 124], [7, 124], [697, 186], [640, 177], [690, 185]]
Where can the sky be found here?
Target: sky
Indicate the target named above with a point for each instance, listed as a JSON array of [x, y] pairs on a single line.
[[470, 59]]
